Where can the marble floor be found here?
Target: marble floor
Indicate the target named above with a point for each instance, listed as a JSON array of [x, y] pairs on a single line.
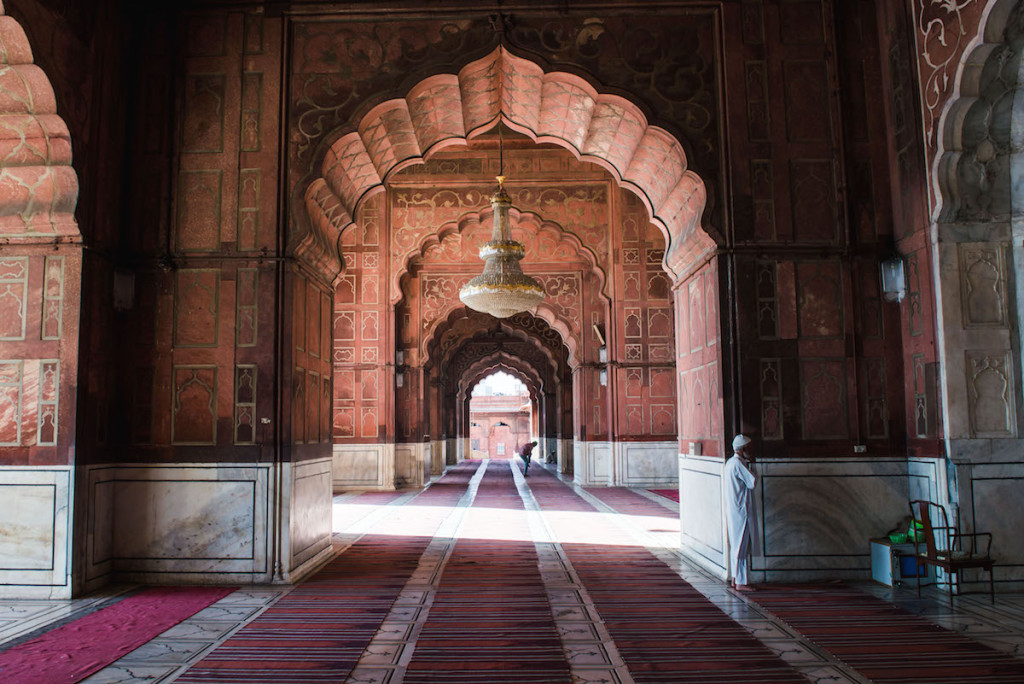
[[590, 650]]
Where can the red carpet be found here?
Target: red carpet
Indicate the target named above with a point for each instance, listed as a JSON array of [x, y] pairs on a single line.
[[490, 621], [317, 632], [882, 642], [74, 651], [667, 493], [665, 630], [628, 502]]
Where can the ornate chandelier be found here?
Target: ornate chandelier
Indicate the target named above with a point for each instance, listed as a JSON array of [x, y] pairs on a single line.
[[502, 289]]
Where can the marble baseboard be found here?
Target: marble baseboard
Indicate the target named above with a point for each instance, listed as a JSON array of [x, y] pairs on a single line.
[[35, 531], [437, 458], [364, 466]]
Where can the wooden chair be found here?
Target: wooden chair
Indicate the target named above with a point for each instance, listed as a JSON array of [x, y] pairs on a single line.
[[943, 546]]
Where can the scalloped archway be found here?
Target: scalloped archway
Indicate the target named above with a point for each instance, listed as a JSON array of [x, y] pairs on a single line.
[[556, 107]]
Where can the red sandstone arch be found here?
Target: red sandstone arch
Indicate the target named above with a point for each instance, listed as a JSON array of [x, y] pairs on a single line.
[[501, 361], [447, 109], [38, 186]]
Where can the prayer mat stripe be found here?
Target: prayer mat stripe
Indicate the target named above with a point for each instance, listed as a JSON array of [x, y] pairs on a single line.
[[317, 632], [664, 629], [882, 641], [490, 621]]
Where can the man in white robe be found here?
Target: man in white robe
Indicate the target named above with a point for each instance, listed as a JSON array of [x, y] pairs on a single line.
[[739, 508]]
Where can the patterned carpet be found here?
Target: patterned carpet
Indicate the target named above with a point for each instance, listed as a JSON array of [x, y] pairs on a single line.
[[884, 642], [317, 632], [665, 630], [490, 621]]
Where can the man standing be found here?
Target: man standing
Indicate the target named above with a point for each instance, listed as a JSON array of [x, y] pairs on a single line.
[[739, 504], [525, 453]]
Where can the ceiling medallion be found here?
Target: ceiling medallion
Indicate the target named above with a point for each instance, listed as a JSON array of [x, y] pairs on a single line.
[[502, 289]]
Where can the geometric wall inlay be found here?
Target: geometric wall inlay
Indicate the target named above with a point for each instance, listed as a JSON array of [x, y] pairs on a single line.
[[824, 398], [245, 404], [246, 307], [194, 414], [49, 392], [13, 297], [53, 297], [10, 402], [196, 307]]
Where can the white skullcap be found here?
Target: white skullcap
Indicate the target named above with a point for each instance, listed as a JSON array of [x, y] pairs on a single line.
[[740, 441]]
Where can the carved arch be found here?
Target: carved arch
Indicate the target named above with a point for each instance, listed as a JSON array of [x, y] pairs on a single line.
[[448, 109], [980, 150]]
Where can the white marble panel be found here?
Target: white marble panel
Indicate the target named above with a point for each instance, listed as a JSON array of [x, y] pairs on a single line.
[[363, 466], [311, 510], [926, 479], [35, 531], [996, 508], [592, 463], [646, 464], [408, 465], [701, 517], [180, 523], [817, 516]]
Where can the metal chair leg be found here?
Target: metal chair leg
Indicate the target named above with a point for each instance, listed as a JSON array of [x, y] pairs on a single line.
[[991, 586]]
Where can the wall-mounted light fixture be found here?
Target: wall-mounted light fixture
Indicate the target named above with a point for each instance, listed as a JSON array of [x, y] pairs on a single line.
[[399, 379], [894, 284], [602, 378], [602, 354]]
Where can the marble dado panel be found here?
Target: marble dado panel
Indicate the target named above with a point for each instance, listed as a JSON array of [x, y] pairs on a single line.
[[311, 513], [990, 502], [816, 516], [206, 523], [363, 466], [625, 464], [410, 464], [192, 522], [592, 463], [701, 514], [646, 464], [35, 532]]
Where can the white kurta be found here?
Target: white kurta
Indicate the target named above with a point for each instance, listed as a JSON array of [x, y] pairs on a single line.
[[739, 513]]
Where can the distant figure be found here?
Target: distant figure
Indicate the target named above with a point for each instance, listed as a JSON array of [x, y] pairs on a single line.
[[525, 453], [553, 458], [739, 504]]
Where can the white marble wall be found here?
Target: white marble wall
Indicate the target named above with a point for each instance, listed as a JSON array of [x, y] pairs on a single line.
[[35, 531], [701, 516], [364, 466], [625, 464], [206, 523]]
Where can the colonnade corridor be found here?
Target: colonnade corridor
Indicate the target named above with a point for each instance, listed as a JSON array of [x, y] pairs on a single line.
[[487, 576]]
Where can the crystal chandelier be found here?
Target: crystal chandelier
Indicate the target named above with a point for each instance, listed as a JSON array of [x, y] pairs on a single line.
[[502, 289]]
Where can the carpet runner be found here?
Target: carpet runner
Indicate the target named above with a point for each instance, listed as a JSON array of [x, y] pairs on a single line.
[[74, 651], [883, 642], [490, 621], [664, 629], [672, 494], [317, 632]]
